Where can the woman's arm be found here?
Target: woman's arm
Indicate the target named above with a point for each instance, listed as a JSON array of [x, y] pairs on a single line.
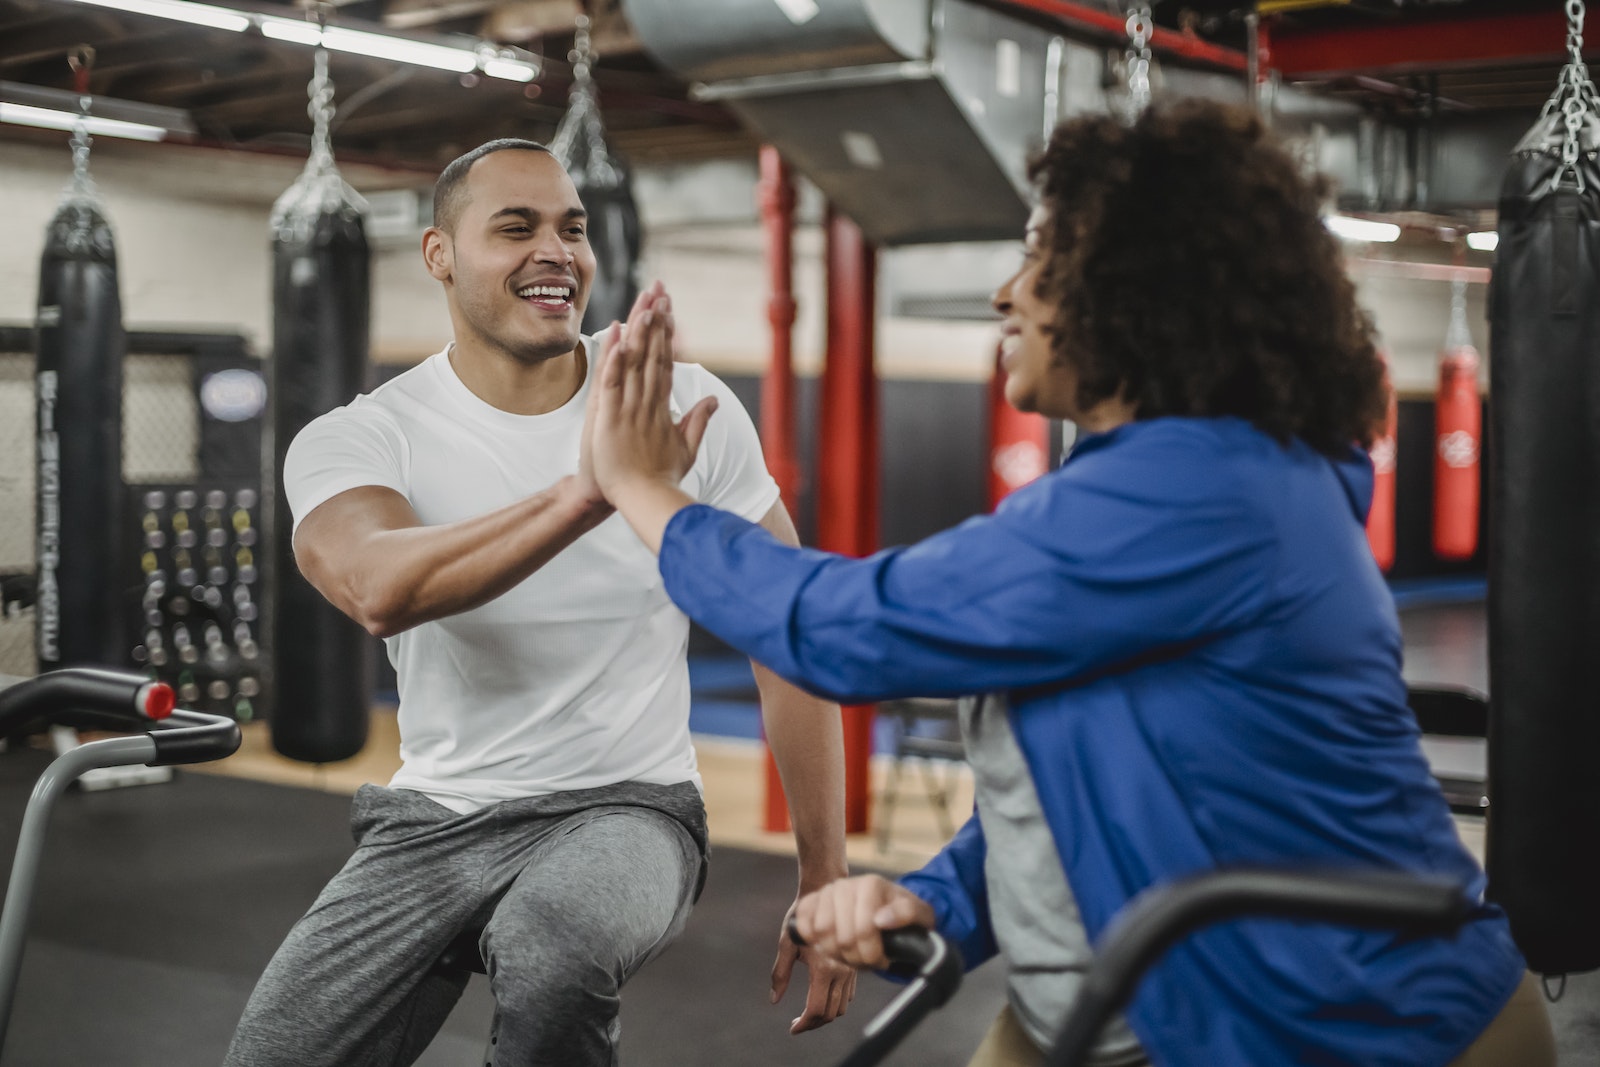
[[1134, 556]]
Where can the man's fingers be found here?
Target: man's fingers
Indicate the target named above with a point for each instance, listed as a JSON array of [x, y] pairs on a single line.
[[783, 968], [611, 363], [816, 1010], [840, 993]]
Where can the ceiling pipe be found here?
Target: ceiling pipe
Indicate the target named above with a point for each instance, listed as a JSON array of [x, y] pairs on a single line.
[[1103, 23]]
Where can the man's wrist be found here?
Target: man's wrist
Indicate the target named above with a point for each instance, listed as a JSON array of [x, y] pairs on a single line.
[[814, 876]]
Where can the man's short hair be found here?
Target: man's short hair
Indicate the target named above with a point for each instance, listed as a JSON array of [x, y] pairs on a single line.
[[450, 191]]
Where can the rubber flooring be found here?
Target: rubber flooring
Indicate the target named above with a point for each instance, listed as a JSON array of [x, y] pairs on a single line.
[[159, 905]]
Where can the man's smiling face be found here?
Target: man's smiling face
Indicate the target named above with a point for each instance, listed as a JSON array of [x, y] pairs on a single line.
[[519, 265]]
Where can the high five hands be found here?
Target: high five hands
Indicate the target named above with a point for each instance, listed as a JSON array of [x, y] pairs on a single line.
[[636, 452]]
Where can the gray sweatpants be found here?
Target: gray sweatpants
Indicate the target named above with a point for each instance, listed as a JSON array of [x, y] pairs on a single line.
[[576, 892]]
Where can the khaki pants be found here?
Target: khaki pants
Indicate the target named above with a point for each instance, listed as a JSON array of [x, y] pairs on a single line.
[[1007, 1045], [1520, 1036]]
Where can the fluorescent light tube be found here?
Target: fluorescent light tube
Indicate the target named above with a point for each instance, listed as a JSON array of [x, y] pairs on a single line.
[[398, 49], [461, 60], [218, 18], [1484, 240], [45, 118], [298, 31], [511, 69], [1361, 229]]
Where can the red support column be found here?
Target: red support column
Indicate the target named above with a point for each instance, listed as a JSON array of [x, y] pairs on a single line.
[[847, 455], [775, 193], [1019, 442]]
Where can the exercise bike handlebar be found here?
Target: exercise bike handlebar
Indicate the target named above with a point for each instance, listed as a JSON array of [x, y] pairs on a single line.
[[933, 968], [193, 737], [1162, 916], [120, 699]]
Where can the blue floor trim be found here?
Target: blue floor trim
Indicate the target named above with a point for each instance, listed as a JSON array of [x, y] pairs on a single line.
[[717, 674], [1421, 592]]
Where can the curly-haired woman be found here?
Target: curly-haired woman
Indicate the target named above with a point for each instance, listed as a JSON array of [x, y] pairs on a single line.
[[1192, 659]]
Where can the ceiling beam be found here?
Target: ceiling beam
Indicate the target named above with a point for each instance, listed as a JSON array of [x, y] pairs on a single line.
[[1429, 44], [1101, 23]]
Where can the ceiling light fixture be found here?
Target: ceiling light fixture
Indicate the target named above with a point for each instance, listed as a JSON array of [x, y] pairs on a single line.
[[470, 55], [1484, 240], [49, 119], [218, 18], [1361, 229], [57, 109]]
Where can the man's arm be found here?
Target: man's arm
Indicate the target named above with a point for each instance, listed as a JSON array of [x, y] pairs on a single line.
[[807, 743], [366, 551]]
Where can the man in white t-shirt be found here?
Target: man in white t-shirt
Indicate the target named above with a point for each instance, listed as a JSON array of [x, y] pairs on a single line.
[[548, 789]]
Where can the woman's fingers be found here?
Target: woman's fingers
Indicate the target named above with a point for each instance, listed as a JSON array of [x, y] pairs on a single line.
[[635, 357], [868, 941]]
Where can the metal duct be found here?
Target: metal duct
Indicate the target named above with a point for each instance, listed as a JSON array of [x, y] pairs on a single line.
[[914, 117], [917, 117]]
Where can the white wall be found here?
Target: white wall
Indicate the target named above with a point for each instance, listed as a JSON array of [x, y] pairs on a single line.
[[191, 230], [193, 246]]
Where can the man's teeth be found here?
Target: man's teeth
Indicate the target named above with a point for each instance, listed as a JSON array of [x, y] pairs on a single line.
[[560, 292]]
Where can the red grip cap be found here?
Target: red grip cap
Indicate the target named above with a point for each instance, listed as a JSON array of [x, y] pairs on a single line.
[[157, 700]]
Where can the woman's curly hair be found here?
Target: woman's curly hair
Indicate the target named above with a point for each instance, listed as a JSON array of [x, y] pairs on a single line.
[[1192, 275]]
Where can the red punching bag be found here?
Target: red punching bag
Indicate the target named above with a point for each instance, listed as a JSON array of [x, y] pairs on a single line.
[[1458, 432], [1019, 442], [1380, 517]]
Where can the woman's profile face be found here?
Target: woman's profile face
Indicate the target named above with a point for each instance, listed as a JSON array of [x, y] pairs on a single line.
[[1034, 380]]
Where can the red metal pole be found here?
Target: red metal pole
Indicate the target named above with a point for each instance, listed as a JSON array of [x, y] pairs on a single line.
[[1019, 442], [847, 455], [775, 193]]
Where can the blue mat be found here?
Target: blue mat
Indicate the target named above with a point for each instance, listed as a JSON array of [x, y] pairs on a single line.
[[723, 702], [1421, 592]]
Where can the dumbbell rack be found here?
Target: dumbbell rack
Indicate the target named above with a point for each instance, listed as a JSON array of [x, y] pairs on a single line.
[[195, 622]]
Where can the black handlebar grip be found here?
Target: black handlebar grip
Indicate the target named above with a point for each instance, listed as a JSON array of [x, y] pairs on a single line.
[[194, 737], [116, 699]]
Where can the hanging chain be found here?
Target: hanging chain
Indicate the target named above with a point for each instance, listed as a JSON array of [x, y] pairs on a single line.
[[583, 113], [582, 56], [80, 60], [1575, 96], [321, 110], [1140, 26]]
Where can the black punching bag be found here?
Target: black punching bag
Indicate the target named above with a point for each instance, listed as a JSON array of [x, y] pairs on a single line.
[[320, 300], [78, 387], [606, 189], [1544, 559], [615, 236]]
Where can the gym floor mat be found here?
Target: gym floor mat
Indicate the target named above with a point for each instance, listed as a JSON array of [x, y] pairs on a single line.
[[159, 905]]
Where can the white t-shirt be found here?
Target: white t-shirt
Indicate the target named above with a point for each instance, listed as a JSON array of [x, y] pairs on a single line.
[[578, 676]]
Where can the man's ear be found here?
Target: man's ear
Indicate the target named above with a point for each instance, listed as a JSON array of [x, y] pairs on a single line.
[[438, 254]]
